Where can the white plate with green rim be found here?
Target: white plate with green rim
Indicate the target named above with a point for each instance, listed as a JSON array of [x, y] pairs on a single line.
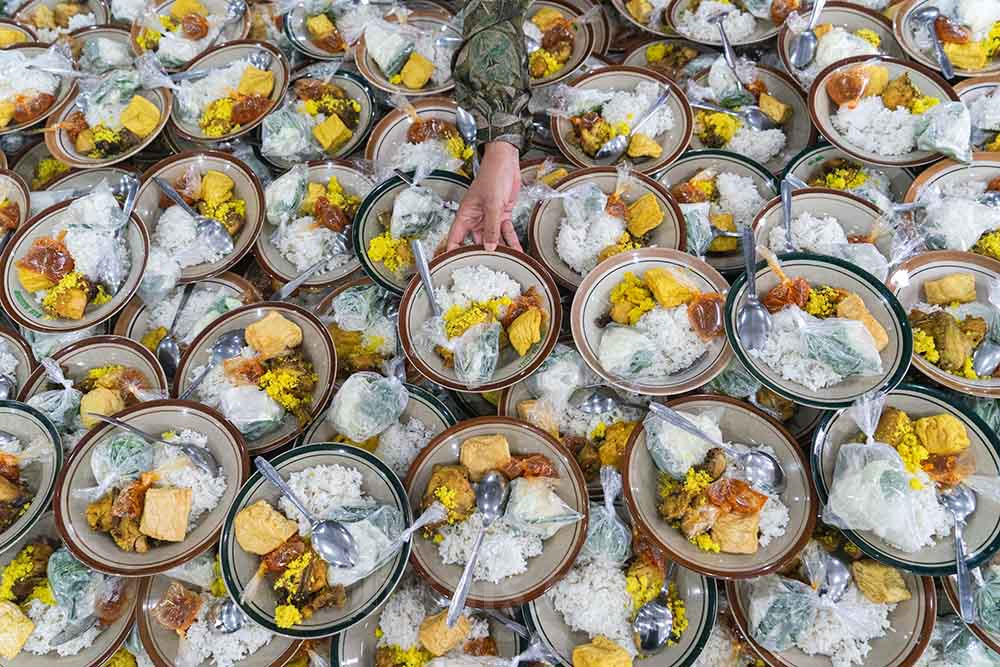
[[903, 24], [764, 29], [591, 304], [806, 166], [363, 597], [451, 187], [821, 270], [29, 425], [982, 530], [692, 162]]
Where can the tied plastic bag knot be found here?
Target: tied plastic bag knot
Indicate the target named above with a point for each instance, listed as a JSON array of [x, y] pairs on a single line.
[[366, 405], [535, 508], [151, 72], [61, 406], [607, 536]]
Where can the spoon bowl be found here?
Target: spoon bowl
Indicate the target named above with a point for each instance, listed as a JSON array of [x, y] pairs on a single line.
[[200, 456], [654, 621], [986, 358], [168, 351], [226, 346], [750, 115], [928, 15], [836, 578], [753, 322], [614, 148], [226, 617], [803, 47]]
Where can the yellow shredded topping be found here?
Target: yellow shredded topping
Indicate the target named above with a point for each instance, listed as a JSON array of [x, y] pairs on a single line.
[[458, 320], [71, 281], [993, 40], [47, 169], [152, 338], [923, 344], [101, 371], [968, 372], [822, 301], [869, 36], [552, 64], [148, 39], [922, 104], [633, 291], [287, 616], [843, 178], [598, 431], [705, 542], [446, 496], [16, 570], [394, 253], [988, 244], [280, 384], [121, 658], [217, 119], [656, 52]]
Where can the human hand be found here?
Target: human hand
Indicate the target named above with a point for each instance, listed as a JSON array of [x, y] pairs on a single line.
[[485, 212]]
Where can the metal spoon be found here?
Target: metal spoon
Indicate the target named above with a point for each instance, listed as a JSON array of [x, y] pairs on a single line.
[[235, 10], [210, 231], [226, 617], [498, 616], [75, 630], [727, 49], [836, 579], [7, 440], [749, 115], [614, 148], [424, 269], [753, 322], [226, 346], [597, 399], [128, 185], [200, 456], [286, 290], [331, 540], [803, 47], [928, 15], [8, 386], [491, 498], [786, 213], [467, 128], [168, 351], [991, 198], [654, 621], [960, 501], [986, 358]]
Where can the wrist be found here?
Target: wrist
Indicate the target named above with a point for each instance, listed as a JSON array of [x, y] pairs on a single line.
[[501, 149]]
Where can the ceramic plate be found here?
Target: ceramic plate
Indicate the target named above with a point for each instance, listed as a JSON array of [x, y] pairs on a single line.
[[14, 344], [234, 32], [26, 164], [740, 423], [21, 305], [560, 550], [451, 187], [29, 426], [591, 304], [549, 213], [317, 348], [637, 56], [14, 189], [820, 270], [903, 26], [821, 108], [27, 33], [433, 22], [26, 11], [67, 87], [658, 26], [764, 29], [583, 44], [79, 37], [624, 78], [98, 550], [294, 27], [934, 266], [150, 204], [364, 597], [354, 182], [984, 167], [692, 162], [971, 89], [222, 56], [601, 25], [982, 530], [414, 310], [806, 166], [390, 132]]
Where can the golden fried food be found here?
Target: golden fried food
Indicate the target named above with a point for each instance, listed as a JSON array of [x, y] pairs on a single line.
[[483, 453], [879, 583], [260, 529]]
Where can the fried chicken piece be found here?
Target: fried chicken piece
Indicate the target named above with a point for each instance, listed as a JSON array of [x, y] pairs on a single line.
[[9, 468], [974, 328], [10, 215], [952, 344], [794, 291], [879, 583], [130, 500], [699, 518], [99, 513], [528, 300], [714, 463], [675, 504], [126, 534], [735, 495], [899, 93]]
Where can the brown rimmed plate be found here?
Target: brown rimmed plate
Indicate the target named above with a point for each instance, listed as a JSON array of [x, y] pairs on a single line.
[[982, 530], [219, 57], [66, 86], [246, 187], [806, 165], [971, 89], [591, 304], [637, 56], [317, 348], [912, 623], [21, 306], [354, 182], [415, 309], [583, 43], [620, 77], [950, 589], [880, 302], [934, 265], [234, 32], [78, 38], [98, 550], [741, 423], [363, 597], [434, 22], [161, 644], [29, 157], [390, 132], [764, 29], [106, 643], [546, 220], [659, 27], [29, 425], [560, 551], [96, 7], [821, 108], [985, 166], [13, 188], [904, 22], [24, 30], [604, 32]]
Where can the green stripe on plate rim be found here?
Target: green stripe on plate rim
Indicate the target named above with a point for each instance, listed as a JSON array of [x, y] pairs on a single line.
[[808, 152], [393, 181], [906, 334], [753, 165], [988, 435], [426, 397], [707, 624], [256, 479], [40, 505]]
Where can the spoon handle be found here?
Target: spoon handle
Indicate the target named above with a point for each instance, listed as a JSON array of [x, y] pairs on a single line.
[[944, 62], [749, 265], [425, 275], [465, 583], [174, 196], [185, 295], [271, 475], [131, 193], [786, 213], [507, 622], [674, 418], [289, 288], [964, 580], [660, 101], [816, 11], [125, 426], [796, 182]]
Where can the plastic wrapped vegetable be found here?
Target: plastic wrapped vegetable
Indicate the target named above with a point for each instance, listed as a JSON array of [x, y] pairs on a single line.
[[625, 352], [735, 380], [46, 344], [954, 645], [844, 345], [373, 534], [199, 571], [699, 229], [367, 404], [534, 507], [355, 308], [607, 536], [674, 450], [476, 353], [61, 406], [74, 585], [946, 128], [162, 274], [115, 461], [416, 211], [251, 410], [284, 196], [725, 85], [102, 54], [287, 135], [780, 610], [558, 376]]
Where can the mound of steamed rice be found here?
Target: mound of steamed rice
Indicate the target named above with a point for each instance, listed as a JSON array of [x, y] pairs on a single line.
[[49, 621], [505, 551], [193, 97], [399, 444], [758, 145], [810, 233], [8, 362], [404, 611], [206, 488], [784, 352], [202, 643], [738, 196], [592, 598], [844, 629], [477, 283], [176, 234], [677, 345], [324, 488], [304, 242], [875, 129], [695, 25], [206, 302], [624, 108]]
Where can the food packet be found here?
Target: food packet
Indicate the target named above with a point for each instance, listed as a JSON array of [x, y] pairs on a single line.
[[285, 195], [607, 535], [161, 276], [735, 381], [416, 211], [287, 135], [75, 587], [477, 352], [953, 645], [355, 308], [527, 198], [726, 84], [46, 344], [558, 376], [535, 508], [367, 404], [251, 410], [373, 527], [698, 226], [946, 128], [61, 406], [625, 352], [673, 449], [100, 213], [567, 101], [199, 571], [846, 346], [780, 610], [116, 461]]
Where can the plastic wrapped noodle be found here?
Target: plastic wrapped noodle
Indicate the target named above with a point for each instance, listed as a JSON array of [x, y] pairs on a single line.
[[477, 352], [674, 450], [698, 226], [285, 195], [735, 381], [607, 535], [625, 352], [534, 507], [61, 406], [251, 411], [844, 345], [287, 135], [780, 610], [199, 571], [946, 128], [953, 645], [367, 404], [75, 587]]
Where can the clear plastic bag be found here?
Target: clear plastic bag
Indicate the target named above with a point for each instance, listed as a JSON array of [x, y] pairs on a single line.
[[355, 308], [116, 461], [199, 571], [161, 276], [987, 600], [373, 528], [567, 101], [477, 352], [367, 404], [46, 344], [735, 381], [698, 226], [100, 213], [61, 406], [562, 372], [251, 411], [287, 135], [607, 535], [946, 128], [780, 610], [75, 587], [726, 88], [954, 645], [625, 352], [418, 210], [285, 195], [844, 345], [674, 450], [534, 507]]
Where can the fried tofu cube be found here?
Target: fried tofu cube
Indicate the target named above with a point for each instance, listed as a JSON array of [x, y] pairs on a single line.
[[970, 56], [882, 584], [33, 281], [438, 638], [737, 533], [601, 652], [256, 82], [539, 414], [182, 8], [216, 188], [643, 145], [852, 307], [6, 113], [726, 223], [43, 17], [273, 335], [16, 629], [331, 133], [165, 514], [102, 401], [313, 192], [668, 290], [775, 109], [141, 116], [959, 287], [643, 215], [85, 142], [525, 331], [319, 26], [483, 453], [260, 529], [65, 11], [545, 17], [550, 179], [10, 37], [942, 434], [417, 71]]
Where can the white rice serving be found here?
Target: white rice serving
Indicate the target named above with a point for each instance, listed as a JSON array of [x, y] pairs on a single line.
[[505, 551], [696, 26], [304, 242], [399, 444], [49, 622], [324, 488], [810, 233], [206, 489], [873, 128], [201, 643], [592, 598]]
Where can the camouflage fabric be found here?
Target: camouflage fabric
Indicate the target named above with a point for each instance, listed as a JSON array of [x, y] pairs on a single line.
[[491, 69]]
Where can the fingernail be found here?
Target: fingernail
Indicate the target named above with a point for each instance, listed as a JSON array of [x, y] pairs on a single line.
[[490, 247]]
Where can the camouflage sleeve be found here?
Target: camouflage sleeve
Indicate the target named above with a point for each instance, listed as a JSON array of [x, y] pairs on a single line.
[[491, 69]]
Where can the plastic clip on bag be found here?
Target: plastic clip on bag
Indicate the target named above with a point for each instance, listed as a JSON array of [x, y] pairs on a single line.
[[61, 406], [607, 536], [367, 404]]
